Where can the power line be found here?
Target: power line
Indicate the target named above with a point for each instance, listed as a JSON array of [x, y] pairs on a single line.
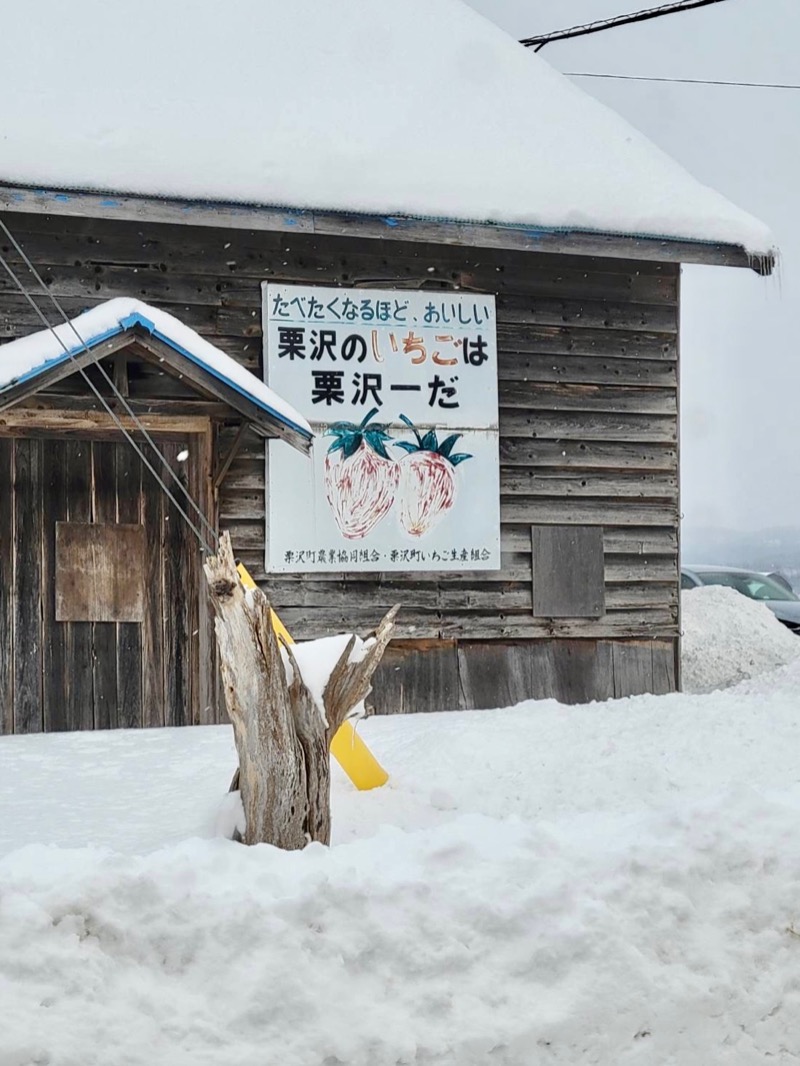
[[109, 381], [48, 325], [538, 42], [685, 81]]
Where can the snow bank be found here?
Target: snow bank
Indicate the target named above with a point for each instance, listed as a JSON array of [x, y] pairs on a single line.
[[728, 638], [611, 884], [785, 681], [480, 942], [421, 108]]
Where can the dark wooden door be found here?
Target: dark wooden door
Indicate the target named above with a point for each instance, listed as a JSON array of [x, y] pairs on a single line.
[[86, 511]]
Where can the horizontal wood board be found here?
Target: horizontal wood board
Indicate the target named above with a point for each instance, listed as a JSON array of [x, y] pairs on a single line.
[[286, 219], [588, 375]]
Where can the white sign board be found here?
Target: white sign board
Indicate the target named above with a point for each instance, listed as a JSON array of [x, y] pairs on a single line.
[[401, 391]]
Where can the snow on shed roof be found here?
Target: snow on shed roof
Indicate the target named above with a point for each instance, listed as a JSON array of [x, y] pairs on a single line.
[[418, 107], [28, 357]]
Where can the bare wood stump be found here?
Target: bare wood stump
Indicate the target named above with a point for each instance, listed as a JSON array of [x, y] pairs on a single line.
[[282, 737]]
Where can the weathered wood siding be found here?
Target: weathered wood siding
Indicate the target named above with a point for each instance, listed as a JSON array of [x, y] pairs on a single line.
[[58, 675], [588, 370], [416, 677]]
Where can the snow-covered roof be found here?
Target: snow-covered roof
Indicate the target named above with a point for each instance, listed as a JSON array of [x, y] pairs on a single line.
[[420, 107], [29, 357]]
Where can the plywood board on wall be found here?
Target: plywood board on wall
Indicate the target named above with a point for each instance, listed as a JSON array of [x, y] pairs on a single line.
[[100, 572]]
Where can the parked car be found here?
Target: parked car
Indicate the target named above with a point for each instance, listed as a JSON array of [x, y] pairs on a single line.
[[773, 590]]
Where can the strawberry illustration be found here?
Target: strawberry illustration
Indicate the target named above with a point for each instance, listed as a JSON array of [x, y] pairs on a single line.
[[360, 476], [429, 483]]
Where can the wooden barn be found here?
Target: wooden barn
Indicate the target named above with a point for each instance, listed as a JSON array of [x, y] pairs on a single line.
[[567, 220]]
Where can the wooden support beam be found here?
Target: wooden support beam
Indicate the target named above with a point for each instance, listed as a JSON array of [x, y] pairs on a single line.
[[144, 407], [19, 421], [262, 423], [121, 383], [233, 451]]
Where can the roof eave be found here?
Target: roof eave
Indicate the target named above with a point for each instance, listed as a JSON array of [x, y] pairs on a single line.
[[82, 204], [265, 421]]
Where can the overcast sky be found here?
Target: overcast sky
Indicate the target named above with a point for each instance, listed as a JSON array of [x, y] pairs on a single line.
[[740, 386]]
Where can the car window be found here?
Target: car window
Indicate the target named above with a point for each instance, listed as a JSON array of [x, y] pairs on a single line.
[[688, 582], [754, 586]]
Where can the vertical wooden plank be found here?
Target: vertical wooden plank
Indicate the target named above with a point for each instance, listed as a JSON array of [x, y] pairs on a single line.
[[216, 505], [677, 666], [129, 634], [494, 674], [664, 659], [77, 458], [104, 510], [54, 633], [192, 552], [6, 586], [177, 683], [543, 670], [417, 677], [633, 668], [27, 611], [583, 671], [206, 644], [153, 625]]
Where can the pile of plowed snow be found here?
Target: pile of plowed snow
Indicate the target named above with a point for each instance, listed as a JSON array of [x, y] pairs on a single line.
[[728, 638]]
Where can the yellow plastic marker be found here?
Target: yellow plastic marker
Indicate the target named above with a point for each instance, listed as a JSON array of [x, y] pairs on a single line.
[[347, 747]]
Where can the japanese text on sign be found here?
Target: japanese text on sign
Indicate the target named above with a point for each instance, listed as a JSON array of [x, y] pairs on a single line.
[[401, 389]]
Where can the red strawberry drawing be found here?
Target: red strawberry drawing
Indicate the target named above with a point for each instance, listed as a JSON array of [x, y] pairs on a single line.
[[360, 477], [429, 483]]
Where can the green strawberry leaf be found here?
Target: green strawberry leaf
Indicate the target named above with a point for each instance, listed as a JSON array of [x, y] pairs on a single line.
[[430, 442], [408, 422], [456, 459], [351, 445], [407, 446], [447, 445], [338, 428], [367, 417], [349, 437], [375, 441]]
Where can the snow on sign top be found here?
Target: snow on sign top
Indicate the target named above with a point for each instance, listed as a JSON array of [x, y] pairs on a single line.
[[398, 107], [29, 356]]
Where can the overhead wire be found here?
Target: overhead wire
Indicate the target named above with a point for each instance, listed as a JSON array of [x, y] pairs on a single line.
[[684, 81], [120, 425], [118, 396], [540, 40]]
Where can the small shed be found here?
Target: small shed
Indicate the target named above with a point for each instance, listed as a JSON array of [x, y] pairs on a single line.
[[479, 182], [104, 613]]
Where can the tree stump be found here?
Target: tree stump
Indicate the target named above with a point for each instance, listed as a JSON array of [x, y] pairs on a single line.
[[282, 736]]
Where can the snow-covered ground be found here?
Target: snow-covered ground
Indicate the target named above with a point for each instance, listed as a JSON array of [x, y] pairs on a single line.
[[609, 884]]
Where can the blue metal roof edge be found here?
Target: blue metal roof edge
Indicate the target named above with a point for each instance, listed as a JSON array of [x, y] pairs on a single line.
[[57, 360], [136, 318]]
